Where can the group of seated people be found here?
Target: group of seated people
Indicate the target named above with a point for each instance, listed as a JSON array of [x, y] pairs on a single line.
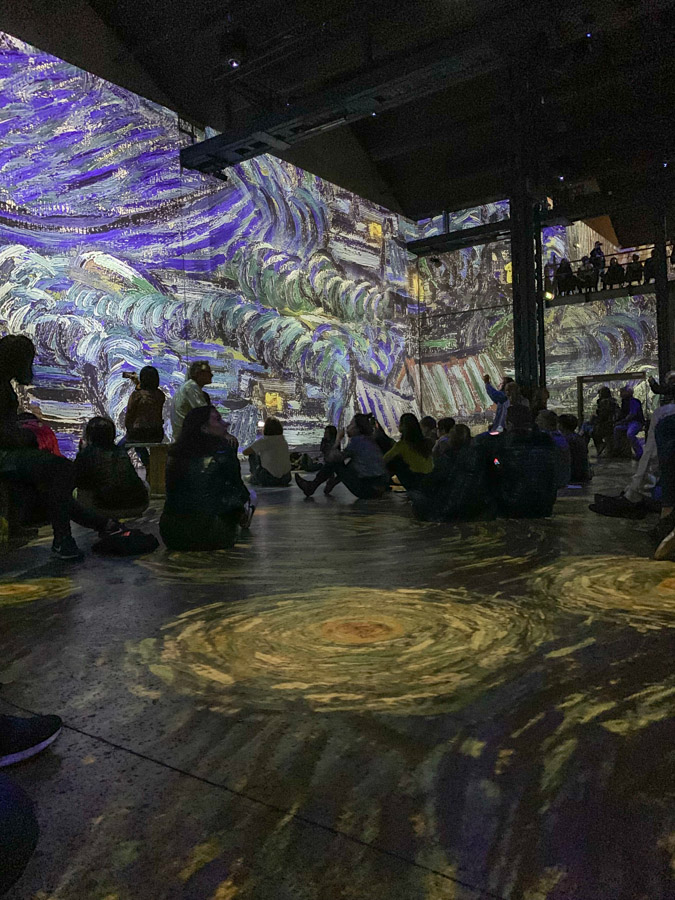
[[514, 469], [591, 277]]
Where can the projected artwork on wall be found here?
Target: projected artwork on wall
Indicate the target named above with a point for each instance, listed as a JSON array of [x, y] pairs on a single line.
[[299, 293], [112, 258]]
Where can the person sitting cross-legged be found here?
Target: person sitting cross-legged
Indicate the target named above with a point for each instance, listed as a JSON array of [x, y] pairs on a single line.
[[359, 466], [205, 497], [445, 428], [523, 468], [410, 458], [269, 457]]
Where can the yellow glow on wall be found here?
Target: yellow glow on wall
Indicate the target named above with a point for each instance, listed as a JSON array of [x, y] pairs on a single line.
[[274, 400], [374, 231]]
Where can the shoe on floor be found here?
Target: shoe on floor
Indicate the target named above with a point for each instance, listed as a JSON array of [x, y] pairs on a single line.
[[305, 486], [666, 549], [66, 548], [22, 738]]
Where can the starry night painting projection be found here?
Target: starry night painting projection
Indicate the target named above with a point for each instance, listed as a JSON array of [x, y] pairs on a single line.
[[111, 258]]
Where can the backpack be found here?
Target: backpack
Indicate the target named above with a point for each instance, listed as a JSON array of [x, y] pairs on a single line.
[[130, 542]]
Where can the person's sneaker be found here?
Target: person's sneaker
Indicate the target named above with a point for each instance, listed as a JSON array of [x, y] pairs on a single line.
[[307, 487], [22, 738], [66, 548], [666, 548]]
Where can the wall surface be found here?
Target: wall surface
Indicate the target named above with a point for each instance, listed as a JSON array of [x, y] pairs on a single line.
[[300, 293], [111, 257]]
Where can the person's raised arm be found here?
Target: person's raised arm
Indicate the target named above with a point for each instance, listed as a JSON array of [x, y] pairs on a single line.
[[494, 395]]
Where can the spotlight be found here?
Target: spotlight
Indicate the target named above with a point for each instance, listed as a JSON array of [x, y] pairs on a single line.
[[665, 165], [261, 424], [588, 34], [561, 177], [234, 49], [548, 295], [373, 114]]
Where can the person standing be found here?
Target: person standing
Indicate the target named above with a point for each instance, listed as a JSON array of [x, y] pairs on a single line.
[[190, 395], [598, 259]]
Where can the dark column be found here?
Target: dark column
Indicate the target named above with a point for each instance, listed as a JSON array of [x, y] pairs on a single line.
[[524, 289], [523, 234], [539, 266], [665, 314]]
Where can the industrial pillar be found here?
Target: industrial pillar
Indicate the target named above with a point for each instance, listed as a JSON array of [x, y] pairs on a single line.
[[665, 314], [523, 238]]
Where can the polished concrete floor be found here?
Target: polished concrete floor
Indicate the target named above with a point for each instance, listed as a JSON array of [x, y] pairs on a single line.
[[351, 704]]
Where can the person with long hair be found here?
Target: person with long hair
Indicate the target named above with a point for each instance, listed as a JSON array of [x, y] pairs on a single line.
[[143, 419], [269, 457], [410, 458], [45, 481], [105, 478], [205, 497], [359, 466]]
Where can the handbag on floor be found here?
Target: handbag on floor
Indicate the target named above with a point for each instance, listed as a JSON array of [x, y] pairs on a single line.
[[130, 542]]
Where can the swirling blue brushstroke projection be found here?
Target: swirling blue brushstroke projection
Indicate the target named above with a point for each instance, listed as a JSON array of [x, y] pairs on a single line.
[[300, 294]]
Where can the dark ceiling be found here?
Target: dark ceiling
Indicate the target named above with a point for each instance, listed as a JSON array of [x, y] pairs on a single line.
[[595, 80]]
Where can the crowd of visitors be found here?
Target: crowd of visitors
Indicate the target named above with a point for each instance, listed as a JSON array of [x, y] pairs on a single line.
[[514, 469]]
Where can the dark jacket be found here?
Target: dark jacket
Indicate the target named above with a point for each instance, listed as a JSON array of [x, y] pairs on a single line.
[[523, 474], [457, 489], [205, 498], [110, 477]]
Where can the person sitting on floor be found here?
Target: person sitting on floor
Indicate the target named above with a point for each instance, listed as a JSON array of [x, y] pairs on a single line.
[[445, 427], [308, 463], [410, 458], [105, 478], [457, 489], [631, 423], [429, 430], [523, 468], [45, 481], [580, 470], [190, 395], [205, 497], [143, 420], [269, 457], [359, 466], [382, 439], [547, 421]]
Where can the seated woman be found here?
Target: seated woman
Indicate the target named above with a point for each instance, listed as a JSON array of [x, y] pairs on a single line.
[[410, 458], [105, 478], [143, 420], [205, 497], [359, 466], [269, 457]]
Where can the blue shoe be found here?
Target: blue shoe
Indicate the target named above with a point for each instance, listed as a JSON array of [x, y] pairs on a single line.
[[22, 738]]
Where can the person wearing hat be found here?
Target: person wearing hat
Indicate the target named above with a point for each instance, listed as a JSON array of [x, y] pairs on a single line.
[[190, 395]]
